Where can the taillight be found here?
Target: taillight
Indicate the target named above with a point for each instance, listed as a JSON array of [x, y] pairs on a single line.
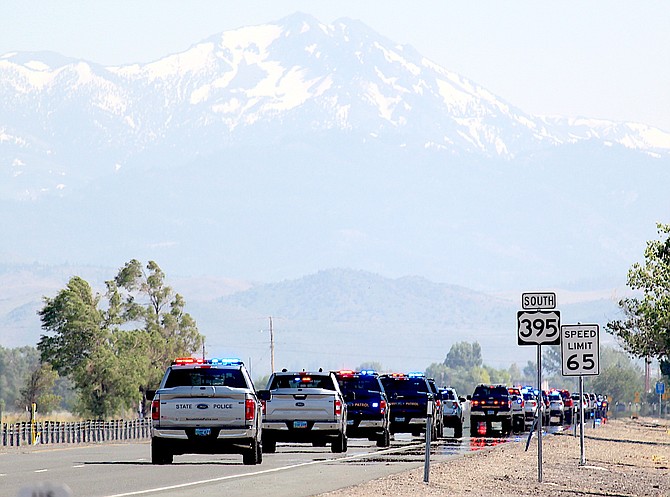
[[155, 410], [382, 406], [475, 403], [249, 409], [338, 407], [263, 406]]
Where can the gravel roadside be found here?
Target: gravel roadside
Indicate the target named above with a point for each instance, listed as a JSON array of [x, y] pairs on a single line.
[[626, 457]]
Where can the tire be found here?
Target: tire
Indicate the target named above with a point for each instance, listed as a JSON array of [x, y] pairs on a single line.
[[339, 445], [506, 427], [458, 429], [253, 455], [384, 439], [269, 445], [518, 425], [160, 454]]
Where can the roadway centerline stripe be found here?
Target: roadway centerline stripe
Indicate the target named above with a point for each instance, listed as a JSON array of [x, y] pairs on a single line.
[[265, 471], [41, 470]]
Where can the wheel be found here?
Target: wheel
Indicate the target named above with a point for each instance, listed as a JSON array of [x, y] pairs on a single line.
[[458, 429], [160, 454], [384, 439], [518, 425], [507, 427], [269, 445], [253, 455], [339, 444]]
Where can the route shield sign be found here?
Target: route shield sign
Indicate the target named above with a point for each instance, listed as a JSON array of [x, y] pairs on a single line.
[[540, 327], [580, 349]]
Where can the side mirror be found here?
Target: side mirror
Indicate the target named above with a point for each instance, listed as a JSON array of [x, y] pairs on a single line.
[[150, 394], [462, 399], [264, 395], [469, 397]]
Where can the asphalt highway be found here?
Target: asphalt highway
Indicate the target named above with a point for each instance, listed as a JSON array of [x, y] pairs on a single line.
[[125, 469]]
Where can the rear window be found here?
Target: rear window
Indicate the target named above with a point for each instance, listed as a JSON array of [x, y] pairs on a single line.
[[197, 377], [356, 384], [490, 391], [302, 381], [405, 385], [529, 396], [555, 396], [448, 395]]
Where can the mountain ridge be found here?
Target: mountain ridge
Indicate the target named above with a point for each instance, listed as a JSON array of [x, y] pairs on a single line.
[[343, 76]]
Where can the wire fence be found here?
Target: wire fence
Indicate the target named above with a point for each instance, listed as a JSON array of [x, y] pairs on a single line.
[[56, 432]]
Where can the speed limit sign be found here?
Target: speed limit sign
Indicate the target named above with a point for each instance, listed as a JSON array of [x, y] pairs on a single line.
[[580, 349], [538, 327]]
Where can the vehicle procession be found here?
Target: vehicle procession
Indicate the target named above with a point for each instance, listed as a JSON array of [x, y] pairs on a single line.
[[211, 406]]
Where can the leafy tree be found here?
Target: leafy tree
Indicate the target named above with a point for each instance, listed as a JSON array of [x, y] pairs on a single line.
[[15, 367], [464, 355], [619, 377], [645, 329], [551, 361], [530, 372], [115, 348], [39, 389], [371, 365]]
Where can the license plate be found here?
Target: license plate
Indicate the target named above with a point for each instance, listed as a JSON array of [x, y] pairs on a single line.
[[490, 413], [300, 424], [203, 432], [399, 420]]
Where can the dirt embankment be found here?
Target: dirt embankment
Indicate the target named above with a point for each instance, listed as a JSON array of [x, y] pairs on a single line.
[[628, 457]]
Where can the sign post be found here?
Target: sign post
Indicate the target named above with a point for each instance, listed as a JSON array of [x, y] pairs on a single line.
[[660, 390], [429, 425], [538, 324], [580, 356]]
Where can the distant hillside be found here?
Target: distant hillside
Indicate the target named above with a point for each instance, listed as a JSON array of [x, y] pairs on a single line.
[[334, 318]]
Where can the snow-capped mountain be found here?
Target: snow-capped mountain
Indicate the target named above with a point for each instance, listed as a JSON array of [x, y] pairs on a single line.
[[278, 150], [64, 121]]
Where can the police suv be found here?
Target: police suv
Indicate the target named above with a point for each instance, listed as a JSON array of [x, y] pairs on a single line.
[[367, 406], [304, 407], [206, 407]]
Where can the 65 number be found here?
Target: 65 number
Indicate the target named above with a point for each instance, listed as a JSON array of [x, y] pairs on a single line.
[[587, 362]]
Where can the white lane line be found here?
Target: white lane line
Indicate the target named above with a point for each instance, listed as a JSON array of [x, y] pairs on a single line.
[[262, 472], [41, 470], [79, 466]]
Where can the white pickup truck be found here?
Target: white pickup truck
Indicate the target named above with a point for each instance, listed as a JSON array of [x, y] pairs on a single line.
[[304, 407], [206, 407]]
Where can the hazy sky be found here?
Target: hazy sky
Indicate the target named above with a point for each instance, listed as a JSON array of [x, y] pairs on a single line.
[[601, 59]]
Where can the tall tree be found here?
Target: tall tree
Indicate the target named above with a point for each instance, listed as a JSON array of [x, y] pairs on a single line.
[[645, 329], [464, 355], [39, 388], [114, 350]]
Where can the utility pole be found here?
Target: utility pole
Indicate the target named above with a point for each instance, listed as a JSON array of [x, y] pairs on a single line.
[[272, 348]]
